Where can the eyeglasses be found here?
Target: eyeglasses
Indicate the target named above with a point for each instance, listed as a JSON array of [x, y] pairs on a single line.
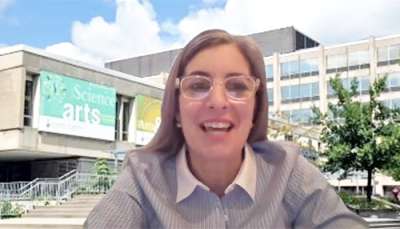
[[198, 87]]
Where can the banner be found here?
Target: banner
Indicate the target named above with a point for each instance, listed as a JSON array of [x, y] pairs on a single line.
[[148, 113], [76, 107]]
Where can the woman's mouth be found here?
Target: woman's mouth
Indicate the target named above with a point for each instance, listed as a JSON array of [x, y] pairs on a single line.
[[216, 126]]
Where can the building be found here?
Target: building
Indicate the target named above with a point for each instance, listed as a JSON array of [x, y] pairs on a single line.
[[299, 80], [58, 115], [283, 40]]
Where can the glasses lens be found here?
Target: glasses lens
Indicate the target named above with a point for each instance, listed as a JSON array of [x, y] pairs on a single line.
[[239, 87], [196, 87]]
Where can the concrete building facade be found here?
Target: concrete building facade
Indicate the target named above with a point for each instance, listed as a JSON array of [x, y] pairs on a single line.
[[283, 40], [28, 148]]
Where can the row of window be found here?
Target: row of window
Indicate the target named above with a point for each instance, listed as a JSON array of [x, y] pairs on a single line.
[[354, 60], [363, 85], [299, 68], [304, 116], [389, 55], [300, 92]]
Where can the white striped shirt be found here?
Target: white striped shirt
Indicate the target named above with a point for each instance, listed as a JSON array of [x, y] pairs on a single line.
[[290, 193]]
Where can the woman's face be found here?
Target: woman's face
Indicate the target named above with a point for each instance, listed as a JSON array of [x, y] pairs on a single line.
[[216, 127]]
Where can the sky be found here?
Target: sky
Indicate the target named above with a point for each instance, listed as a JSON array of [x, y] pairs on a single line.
[[97, 31]]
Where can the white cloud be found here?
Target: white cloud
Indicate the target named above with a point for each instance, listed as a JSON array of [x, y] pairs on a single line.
[[4, 4], [136, 30], [69, 50]]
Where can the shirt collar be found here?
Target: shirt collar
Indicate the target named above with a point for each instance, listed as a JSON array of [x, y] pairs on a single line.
[[187, 182]]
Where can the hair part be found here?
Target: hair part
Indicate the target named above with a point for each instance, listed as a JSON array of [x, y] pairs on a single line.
[[169, 138]]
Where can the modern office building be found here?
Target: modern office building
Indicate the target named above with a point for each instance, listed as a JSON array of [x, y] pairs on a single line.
[[300, 79], [283, 40], [58, 114]]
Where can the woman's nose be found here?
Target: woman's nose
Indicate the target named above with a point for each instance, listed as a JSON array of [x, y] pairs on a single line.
[[217, 98]]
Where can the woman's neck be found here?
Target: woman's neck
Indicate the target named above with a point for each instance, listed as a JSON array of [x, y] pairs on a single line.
[[217, 175]]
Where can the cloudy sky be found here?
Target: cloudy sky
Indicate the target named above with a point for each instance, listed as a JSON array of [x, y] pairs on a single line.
[[95, 31]]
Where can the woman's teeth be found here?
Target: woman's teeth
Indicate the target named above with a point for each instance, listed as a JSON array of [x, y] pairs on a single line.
[[217, 126]]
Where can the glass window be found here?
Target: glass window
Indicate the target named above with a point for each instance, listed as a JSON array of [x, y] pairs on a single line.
[[117, 119], [336, 61], [393, 80], [383, 54], [285, 91], [28, 104], [125, 119], [270, 92], [309, 66], [363, 85], [294, 92], [358, 58], [305, 90], [388, 55], [290, 68], [269, 72], [315, 89], [394, 52]]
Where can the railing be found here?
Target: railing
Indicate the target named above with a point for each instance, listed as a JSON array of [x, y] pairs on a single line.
[[11, 186], [58, 188]]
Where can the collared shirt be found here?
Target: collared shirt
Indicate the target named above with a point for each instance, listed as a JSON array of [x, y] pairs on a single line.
[[187, 182], [290, 193]]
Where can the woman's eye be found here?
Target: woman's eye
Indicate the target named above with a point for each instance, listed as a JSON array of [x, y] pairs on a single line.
[[199, 86]]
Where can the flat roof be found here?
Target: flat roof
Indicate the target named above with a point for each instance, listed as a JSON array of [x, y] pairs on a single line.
[[23, 48]]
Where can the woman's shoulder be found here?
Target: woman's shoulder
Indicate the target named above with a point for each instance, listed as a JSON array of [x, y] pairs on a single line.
[[277, 152]]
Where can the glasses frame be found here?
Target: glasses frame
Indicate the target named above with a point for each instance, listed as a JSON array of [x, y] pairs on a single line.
[[255, 85]]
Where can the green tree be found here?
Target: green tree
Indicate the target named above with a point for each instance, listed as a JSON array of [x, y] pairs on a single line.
[[103, 171], [359, 136], [102, 167]]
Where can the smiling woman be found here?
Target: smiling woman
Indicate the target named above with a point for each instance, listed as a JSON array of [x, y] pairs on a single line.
[[210, 165]]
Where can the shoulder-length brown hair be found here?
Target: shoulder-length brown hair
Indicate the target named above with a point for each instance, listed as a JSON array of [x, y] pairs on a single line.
[[169, 138]]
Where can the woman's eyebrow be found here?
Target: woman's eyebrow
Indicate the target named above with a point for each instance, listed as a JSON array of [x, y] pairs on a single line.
[[231, 74], [199, 72]]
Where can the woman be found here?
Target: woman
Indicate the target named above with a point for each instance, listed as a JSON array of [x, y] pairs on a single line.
[[210, 165]]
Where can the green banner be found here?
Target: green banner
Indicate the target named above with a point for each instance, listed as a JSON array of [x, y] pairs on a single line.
[[77, 107]]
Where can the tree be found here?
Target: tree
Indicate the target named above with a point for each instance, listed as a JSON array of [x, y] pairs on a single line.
[[103, 172], [359, 136]]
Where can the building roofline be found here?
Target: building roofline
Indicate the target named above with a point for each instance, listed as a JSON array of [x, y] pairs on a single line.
[[142, 55], [24, 48], [250, 34], [359, 42]]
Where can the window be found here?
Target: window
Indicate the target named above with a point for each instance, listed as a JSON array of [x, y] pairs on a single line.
[[28, 104], [309, 67], [290, 70], [270, 94], [117, 118], [300, 92], [393, 81], [363, 85], [269, 72], [122, 118], [125, 120], [358, 60], [389, 55], [336, 63]]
